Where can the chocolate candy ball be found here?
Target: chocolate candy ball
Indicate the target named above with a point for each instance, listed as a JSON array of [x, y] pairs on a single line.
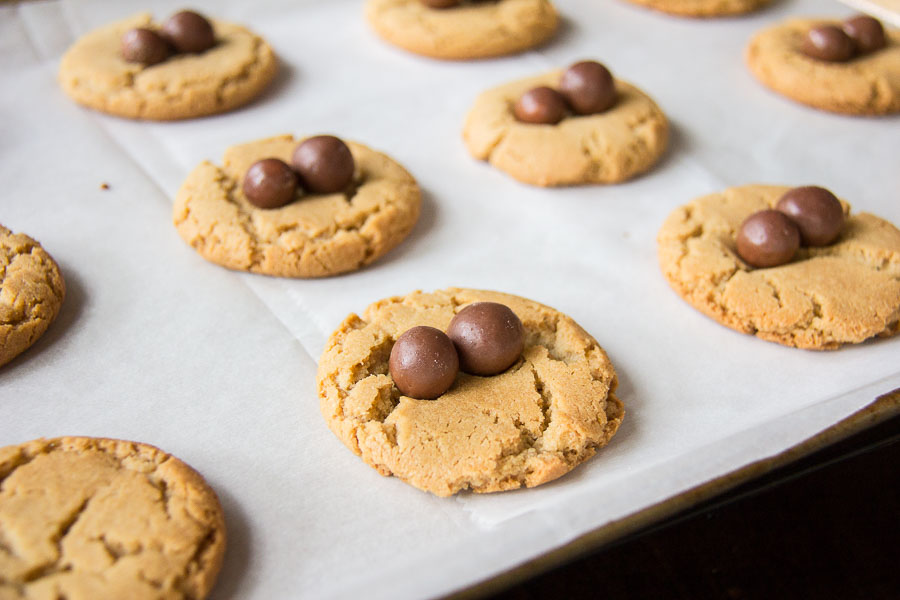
[[866, 32], [270, 183], [423, 363], [144, 46], [188, 31], [588, 87], [768, 238], [440, 3], [324, 163], [817, 213], [828, 42], [541, 105], [488, 336]]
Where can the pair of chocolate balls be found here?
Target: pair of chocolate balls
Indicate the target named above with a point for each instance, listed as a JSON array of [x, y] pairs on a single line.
[[811, 215], [585, 88], [858, 35], [484, 338], [186, 32], [322, 164]]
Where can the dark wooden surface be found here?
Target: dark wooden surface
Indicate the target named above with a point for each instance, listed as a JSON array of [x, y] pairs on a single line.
[[826, 526]]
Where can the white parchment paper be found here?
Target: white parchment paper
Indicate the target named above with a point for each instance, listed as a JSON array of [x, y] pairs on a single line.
[[217, 367]]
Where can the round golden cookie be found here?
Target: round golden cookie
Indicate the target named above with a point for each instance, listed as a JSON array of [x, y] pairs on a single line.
[[828, 296], [703, 8], [228, 75], [536, 421], [471, 30], [609, 147], [865, 85], [316, 236], [95, 518], [31, 292]]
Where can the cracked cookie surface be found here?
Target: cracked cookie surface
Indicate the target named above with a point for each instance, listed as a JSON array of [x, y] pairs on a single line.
[[316, 236], [536, 421], [228, 75], [608, 147], [31, 292], [97, 518], [702, 8], [840, 294], [472, 30], [865, 85]]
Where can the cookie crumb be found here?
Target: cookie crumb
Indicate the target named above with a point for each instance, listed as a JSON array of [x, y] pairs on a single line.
[[104, 186]]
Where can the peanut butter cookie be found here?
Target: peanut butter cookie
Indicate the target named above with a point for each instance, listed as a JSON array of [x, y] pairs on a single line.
[[96, 518], [471, 30], [868, 84], [235, 70], [537, 420], [608, 147], [702, 8], [843, 293], [31, 292], [315, 236]]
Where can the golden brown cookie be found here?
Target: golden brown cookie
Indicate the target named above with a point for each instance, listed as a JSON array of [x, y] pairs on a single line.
[[31, 292], [865, 85], [827, 296], [316, 236], [702, 8], [230, 74], [608, 147], [95, 518], [471, 30], [552, 410]]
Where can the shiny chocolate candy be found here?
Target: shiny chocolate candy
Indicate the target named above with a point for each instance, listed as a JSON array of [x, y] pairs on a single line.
[[423, 363], [270, 183], [828, 43], [440, 3], [488, 336], [324, 163], [189, 32], [588, 87], [144, 46], [866, 32], [540, 105], [817, 213], [768, 238]]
